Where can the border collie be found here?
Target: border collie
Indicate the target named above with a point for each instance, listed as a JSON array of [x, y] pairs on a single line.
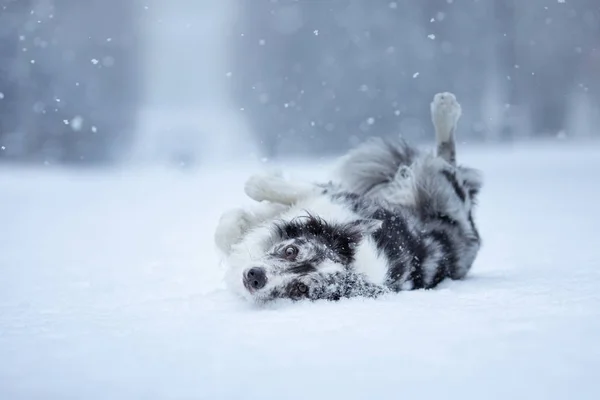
[[394, 218]]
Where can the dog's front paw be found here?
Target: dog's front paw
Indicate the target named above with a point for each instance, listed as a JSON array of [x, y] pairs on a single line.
[[231, 228], [445, 111], [264, 186]]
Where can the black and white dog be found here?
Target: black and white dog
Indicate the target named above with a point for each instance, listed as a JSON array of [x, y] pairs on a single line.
[[394, 218]]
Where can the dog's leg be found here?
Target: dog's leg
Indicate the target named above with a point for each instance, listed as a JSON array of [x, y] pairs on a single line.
[[339, 285], [445, 112], [275, 188], [234, 224], [231, 228]]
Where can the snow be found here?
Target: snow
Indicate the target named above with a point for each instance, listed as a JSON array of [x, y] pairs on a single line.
[[111, 288]]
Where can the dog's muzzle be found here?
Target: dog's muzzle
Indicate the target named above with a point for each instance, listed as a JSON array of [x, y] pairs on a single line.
[[255, 279]]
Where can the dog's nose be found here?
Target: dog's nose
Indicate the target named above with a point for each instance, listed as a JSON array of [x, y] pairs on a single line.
[[257, 279]]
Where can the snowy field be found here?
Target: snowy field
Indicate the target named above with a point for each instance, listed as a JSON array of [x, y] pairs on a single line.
[[110, 288]]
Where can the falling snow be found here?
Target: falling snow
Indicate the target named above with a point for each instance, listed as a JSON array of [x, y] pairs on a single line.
[[111, 286], [76, 123]]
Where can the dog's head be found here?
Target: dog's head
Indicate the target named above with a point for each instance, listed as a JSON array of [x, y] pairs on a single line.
[[295, 259]]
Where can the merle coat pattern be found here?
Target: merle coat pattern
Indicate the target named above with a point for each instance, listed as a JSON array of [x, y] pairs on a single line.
[[392, 218]]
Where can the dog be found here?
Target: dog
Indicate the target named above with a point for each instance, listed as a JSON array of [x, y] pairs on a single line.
[[393, 218]]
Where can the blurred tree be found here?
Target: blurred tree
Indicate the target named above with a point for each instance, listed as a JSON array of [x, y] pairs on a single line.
[[320, 76], [317, 76], [70, 86]]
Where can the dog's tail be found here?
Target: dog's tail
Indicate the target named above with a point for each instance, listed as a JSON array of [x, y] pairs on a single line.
[[445, 112], [373, 164], [379, 164]]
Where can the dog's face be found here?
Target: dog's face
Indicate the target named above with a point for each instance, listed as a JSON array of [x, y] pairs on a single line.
[[301, 259]]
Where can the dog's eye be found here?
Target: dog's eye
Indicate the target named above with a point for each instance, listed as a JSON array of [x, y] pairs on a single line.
[[290, 252], [298, 291], [302, 288]]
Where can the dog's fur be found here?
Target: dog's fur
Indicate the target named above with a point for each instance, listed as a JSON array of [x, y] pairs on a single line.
[[394, 218]]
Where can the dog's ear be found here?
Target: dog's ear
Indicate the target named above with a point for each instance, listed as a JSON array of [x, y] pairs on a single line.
[[367, 225], [349, 235], [356, 230]]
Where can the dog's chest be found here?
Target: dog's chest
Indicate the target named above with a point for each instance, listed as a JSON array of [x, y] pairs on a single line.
[[370, 261]]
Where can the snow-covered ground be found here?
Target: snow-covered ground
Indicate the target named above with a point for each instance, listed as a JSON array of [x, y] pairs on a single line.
[[110, 288]]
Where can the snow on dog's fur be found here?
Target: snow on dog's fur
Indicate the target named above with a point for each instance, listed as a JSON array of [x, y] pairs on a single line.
[[394, 218]]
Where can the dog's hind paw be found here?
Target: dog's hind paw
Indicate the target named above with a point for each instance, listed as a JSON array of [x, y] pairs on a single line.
[[445, 112]]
